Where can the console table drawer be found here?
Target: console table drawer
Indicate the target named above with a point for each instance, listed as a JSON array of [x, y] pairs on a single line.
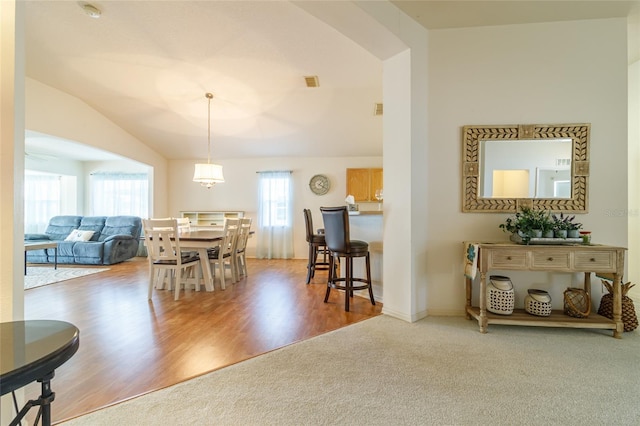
[[595, 261], [507, 259], [550, 259]]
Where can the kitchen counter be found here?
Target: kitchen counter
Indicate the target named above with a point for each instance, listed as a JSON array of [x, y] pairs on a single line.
[[367, 226], [366, 213]]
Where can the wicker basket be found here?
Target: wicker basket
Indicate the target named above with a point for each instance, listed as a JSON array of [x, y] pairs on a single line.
[[629, 318], [577, 303], [500, 296], [537, 302]]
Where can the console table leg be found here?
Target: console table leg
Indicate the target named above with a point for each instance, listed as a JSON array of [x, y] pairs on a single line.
[[617, 306], [468, 291], [482, 320]]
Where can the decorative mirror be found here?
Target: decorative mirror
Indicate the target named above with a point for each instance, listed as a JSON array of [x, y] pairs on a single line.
[[541, 166]]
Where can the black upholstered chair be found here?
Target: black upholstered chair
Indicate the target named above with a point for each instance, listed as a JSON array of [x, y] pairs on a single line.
[[336, 234], [316, 246]]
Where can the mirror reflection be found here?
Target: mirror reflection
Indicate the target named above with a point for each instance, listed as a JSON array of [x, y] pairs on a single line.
[[529, 168]]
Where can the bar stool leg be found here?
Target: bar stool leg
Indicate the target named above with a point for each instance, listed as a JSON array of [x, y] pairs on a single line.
[[348, 291], [311, 262], [330, 277], [368, 261]]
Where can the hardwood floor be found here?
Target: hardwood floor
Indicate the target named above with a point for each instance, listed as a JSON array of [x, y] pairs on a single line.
[[130, 345]]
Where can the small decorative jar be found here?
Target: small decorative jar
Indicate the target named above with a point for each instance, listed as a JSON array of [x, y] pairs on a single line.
[[537, 302], [586, 237]]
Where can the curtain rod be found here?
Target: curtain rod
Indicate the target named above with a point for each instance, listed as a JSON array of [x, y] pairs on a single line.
[[275, 171]]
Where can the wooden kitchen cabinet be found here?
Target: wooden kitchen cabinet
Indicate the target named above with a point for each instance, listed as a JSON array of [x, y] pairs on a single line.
[[362, 183]]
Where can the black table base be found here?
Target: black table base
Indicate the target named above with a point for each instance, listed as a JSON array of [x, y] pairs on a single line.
[[44, 402]]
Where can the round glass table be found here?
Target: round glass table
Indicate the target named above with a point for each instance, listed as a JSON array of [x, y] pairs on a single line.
[[31, 351]]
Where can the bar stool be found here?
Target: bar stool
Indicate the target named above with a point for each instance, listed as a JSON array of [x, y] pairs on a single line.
[[336, 233], [317, 245]]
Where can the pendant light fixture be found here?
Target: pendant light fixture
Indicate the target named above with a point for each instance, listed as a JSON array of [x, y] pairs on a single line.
[[208, 174]]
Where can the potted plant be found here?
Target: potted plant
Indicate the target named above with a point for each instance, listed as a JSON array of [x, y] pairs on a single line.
[[565, 227], [527, 223]]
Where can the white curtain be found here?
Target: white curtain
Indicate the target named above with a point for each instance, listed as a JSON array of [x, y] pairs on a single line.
[[275, 216], [42, 200], [120, 194]]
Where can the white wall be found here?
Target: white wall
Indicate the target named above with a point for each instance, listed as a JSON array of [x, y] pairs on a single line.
[[240, 190], [565, 72], [633, 35], [56, 113]]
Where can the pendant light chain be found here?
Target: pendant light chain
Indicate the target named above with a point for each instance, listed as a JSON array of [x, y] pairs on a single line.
[[209, 97]]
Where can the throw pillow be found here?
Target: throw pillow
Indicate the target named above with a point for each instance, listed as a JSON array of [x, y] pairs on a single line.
[[78, 235]]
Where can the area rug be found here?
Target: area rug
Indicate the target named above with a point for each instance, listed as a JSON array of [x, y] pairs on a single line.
[[44, 275], [384, 371]]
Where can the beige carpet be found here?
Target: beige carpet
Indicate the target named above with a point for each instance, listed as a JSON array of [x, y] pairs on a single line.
[[438, 371], [37, 276]]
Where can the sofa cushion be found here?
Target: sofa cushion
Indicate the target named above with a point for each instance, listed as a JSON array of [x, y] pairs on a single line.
[[121, 225], [93, 223], [61, 226], [89, 253], [78, 235]]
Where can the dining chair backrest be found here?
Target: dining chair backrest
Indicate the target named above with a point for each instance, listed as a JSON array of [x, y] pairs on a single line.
[[243, 233], [230, 231], [336, 228], [162, 239], [184, 225]]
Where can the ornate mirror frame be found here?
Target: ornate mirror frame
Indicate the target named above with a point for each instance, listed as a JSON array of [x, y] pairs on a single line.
[[473, 135]]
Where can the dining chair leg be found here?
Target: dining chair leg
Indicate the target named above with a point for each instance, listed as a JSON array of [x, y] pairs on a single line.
[[152, 280], [222, 274], [180, 277]]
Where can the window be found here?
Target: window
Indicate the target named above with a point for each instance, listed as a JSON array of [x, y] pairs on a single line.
[[120, 194], [47, 195], [275, 221]]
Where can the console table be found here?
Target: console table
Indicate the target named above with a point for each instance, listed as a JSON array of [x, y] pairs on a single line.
[[555, 258], [31, 351]]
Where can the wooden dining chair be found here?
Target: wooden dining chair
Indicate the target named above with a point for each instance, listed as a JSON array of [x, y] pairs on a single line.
[[239, 257], [166, 260], [222, 255]]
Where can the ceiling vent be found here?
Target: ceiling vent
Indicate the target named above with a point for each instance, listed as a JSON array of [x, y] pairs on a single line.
[[377, 109], [312, 81]]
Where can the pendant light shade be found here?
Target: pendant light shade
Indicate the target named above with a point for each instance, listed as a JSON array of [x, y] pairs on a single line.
[[208, 174]]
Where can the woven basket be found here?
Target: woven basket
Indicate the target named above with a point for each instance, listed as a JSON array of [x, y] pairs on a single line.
[[629, 318], [577, 303]]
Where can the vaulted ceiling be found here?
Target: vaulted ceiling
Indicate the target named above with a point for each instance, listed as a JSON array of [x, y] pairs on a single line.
[[146, 66]]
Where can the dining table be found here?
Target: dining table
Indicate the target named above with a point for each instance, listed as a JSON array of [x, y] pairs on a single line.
[[200, 241]]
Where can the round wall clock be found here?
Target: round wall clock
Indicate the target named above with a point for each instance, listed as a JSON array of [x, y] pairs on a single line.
[[319, 184]]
